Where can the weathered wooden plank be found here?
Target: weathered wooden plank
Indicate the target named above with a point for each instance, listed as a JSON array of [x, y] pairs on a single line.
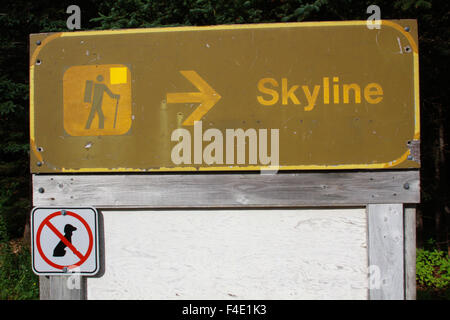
[[385, 230], [226, 190], [410, 253], [62, 288]]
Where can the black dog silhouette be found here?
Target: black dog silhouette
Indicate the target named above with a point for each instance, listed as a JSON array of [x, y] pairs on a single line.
[[60, 249]]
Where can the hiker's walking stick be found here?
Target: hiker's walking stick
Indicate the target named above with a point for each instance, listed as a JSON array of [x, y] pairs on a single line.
[[115, 115]]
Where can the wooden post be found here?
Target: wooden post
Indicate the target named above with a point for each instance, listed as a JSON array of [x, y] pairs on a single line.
[[410, 253], [385, 231], [62, 287]]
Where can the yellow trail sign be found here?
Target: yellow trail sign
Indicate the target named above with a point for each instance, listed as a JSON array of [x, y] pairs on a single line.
[[286, 96]]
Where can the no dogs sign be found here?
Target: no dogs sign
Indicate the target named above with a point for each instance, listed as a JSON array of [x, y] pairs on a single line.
[[64, 240]]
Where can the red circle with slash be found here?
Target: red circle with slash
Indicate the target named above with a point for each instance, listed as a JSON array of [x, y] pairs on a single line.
[[47, 223]]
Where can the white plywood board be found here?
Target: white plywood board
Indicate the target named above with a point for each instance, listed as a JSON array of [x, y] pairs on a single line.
[[234, 254]]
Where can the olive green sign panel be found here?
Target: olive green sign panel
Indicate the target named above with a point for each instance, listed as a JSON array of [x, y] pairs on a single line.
[[291, 96]]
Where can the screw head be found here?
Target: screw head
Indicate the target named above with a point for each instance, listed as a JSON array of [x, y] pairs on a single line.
[[39, 163], [65, 269], [41, 190], [407, 29], [63, 212], [38, 42], [406, 186]]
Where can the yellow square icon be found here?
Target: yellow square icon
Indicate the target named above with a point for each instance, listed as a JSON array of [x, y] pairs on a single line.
[[118, 75], [97, 100]]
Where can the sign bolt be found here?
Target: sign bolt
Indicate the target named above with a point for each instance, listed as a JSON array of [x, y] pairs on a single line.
[[65, 270], [406, 186], [39, 163], [41, 190], [407, 29], [63, 212]]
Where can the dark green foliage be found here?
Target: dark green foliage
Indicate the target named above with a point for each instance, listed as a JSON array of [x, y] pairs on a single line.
[[433, 273], [433, 268], [18, 19], [17, 281]]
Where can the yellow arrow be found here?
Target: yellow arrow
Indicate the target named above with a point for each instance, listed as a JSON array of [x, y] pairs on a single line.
[[207, 97]]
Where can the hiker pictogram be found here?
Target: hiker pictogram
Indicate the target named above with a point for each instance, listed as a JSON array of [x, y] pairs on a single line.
[[97, 100]]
